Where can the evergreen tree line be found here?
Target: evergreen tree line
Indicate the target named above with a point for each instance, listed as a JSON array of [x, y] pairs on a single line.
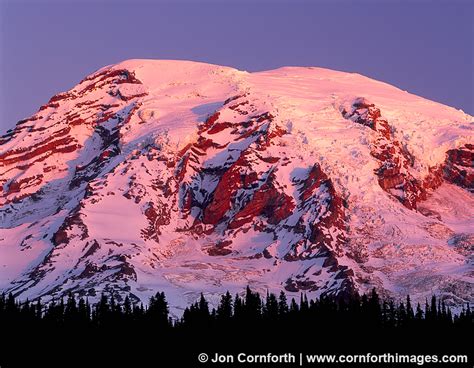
[[249, 310]]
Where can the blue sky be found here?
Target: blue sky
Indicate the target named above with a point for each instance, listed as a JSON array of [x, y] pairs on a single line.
[[425, 47]]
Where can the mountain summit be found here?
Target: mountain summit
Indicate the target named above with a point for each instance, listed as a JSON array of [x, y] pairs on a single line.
[[186, 177]]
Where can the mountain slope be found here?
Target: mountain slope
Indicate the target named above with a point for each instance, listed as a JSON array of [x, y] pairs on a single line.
[[189, 177]]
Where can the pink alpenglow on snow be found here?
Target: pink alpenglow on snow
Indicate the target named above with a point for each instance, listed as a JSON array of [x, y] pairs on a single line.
[[186, 177]]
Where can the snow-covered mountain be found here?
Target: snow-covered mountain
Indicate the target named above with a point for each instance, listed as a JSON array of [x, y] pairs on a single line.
[[186, 177]]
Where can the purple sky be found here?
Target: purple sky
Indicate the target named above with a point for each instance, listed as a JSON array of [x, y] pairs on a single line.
[[425, 47]]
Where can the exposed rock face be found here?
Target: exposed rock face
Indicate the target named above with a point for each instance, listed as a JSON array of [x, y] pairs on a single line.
[[141, 179], [396, 161], [67, 136], [459, 166], [247, 192]]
